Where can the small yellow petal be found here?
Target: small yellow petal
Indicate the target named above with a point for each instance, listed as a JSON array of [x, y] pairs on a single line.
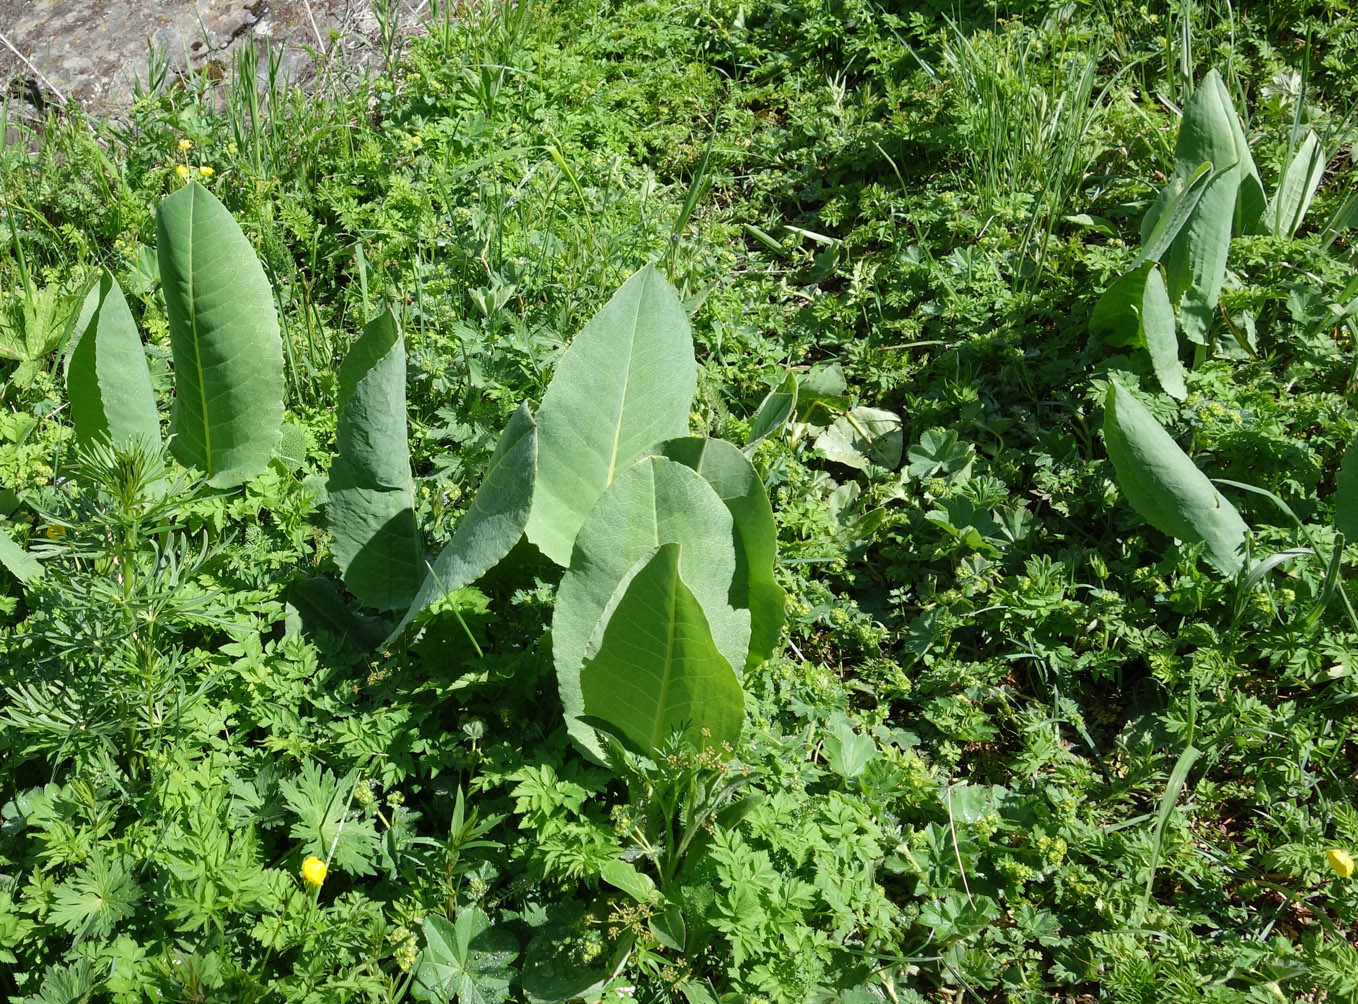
[[1341, 861], [183, 171], [205, 171], [313, 870], [55, 532], [185, 145]]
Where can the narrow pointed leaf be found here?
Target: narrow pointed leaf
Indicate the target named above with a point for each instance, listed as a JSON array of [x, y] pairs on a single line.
[[370, 505], [654, 502], [626, 382], [1172, 209], [228, 356], [1300, 180], [107, 379], [737, 484], [1157, 327], [652, 668], [494, 522], [774, 411], [1196, 266], [1163, 485]]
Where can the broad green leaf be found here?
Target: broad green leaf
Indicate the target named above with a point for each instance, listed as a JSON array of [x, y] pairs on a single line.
[[555, 968], [863, 436], [467, 962], [626, 382], [1172, 209], [1136, 310], [370, 504], [316, 605], [1163, 485], [107, 379], [1196, 266], [1157, 328], [31, 328], [822, 394], [228, 356], [1232, 201], [20, 563], [848, 752], [1301, 178], [654, 502], [624, 875], [1345, 501], [774, 411], [494, 522], [737, 484], [652, 668]]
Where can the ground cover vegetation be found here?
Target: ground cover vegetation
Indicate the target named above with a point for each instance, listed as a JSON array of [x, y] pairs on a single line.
[[781, 501]]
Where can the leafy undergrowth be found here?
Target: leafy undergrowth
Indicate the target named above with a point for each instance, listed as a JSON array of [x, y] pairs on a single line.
[[1018, 745]]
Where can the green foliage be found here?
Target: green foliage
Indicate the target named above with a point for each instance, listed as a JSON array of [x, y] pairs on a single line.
[[625, 384], [107, 379], [224, 333], [370, 502], [1165, 487]]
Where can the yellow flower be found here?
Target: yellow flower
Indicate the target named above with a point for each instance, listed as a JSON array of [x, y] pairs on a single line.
[[183, 171], [55, 532], [313, 870], [185, 145], [1341, 861], [205, 171]]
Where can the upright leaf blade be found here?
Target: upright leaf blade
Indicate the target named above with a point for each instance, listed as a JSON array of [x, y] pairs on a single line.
[[737, 484], [1164, 486], [652, 668], [626, 382], [494, 522], [370, 506], [228, 356], [654, 502], [107, 380], [774, 411], [1157, 327], [18, 562], [1298, 186]]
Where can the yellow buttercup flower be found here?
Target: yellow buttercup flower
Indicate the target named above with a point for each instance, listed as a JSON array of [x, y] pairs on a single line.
[[313, 870], [185, 145], [1341, 861], [205, 171], [183, 171], [55, 532]]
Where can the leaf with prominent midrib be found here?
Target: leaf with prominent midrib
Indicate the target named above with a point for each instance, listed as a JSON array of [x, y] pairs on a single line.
[[737, 484], [370, 505], [494, 522], [625, 383], [228, 356], [107, 379], [1165, 487], [653, 502], [652, 668]]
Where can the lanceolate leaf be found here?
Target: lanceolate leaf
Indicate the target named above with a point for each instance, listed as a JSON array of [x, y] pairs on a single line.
[[774, 411], [1164, 486], [370, 508], [228, 357], [1172, 209], [626, 382], [107, 379], [1135, 310], [654, 502], [1157, 327], [1232, 201], [652, 668], [495, 521], [1300, 180], [737, 484]]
